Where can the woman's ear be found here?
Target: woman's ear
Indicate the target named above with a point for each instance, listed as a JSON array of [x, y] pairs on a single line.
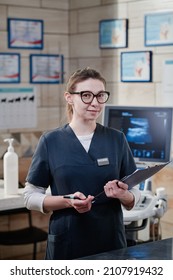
[[68, 97]]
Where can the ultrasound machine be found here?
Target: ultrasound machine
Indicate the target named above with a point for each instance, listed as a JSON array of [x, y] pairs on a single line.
[[148, 131]]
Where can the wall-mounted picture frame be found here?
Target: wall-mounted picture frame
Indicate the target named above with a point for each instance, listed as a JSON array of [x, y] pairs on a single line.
[[113, 33], [46, 69], [158, 29], [25, 33], [136, 66], [18, 107], [9, 68]]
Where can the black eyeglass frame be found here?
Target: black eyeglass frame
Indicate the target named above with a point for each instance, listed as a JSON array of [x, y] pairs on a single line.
[[94, 95]]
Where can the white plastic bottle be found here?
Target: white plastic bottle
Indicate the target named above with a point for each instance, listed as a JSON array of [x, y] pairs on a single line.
[[11, 169]]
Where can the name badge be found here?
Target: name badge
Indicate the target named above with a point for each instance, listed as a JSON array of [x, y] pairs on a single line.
[[102, 161]]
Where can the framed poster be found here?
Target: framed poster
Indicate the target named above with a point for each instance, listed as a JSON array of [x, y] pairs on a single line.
[[46, 68], [25, 33], [136, 66], [9, 68], [159, 29], [113, 33], [18, 107], [167, 83]]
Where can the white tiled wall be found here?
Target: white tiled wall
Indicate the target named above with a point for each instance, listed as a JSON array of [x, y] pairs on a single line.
[[71, 28]]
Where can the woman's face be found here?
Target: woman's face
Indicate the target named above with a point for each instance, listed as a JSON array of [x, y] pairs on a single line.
[[89, 111]]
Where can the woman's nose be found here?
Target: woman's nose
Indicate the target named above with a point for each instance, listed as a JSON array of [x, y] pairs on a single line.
[[94, 101]]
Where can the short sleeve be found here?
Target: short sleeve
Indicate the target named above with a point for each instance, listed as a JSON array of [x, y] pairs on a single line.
[[39, 171]]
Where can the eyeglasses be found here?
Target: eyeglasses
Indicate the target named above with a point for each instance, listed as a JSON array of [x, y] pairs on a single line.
[[88, 96]]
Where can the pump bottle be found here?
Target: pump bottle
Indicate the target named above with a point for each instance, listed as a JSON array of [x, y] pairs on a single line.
[[10, 166]]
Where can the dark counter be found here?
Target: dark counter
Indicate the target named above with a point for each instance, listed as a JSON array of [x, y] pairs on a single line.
[[157, 250]]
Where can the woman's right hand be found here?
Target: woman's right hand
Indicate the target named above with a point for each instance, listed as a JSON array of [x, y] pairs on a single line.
[[83, 204]]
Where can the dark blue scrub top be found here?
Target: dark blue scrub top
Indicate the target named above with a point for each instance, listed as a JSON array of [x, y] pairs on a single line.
[[61, 162]]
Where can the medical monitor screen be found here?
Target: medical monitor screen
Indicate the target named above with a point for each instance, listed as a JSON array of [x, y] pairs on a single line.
[[147, 129]]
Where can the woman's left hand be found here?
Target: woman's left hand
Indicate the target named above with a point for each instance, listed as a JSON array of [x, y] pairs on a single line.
[[117, 189]]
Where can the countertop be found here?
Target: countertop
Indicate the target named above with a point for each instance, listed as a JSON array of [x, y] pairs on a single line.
[[8, 202], [156, 250]]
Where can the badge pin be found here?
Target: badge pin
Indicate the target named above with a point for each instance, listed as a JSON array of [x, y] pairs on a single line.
[[102, 161]]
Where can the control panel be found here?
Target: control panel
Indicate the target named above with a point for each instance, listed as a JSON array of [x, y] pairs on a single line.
[[145, 208]]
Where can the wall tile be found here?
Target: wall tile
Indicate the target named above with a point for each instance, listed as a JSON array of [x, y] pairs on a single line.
[[133, 43], [142, 94], [138, 9], [48, 118], [25, 70], [57, 4], [3, 17], [55, 21], [115, 1], [84, 45], [26, 3], [89, 18], [56, 44], [73, 19], [3, 42], [50, 95], [83, 4]]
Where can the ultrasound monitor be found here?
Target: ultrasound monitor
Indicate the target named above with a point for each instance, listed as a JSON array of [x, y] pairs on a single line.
[[147, 130]]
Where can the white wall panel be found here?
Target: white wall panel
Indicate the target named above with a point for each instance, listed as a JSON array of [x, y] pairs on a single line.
[[57, 4], [3, 17], [26, 3], [138, 94], [83, 3], [55, 21], [89, 18], [84, 45]]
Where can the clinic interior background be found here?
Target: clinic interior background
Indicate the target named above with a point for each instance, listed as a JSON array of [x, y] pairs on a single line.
[[71, 29]]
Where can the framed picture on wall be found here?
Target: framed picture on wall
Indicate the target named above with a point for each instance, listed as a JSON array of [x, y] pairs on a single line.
[[9, 68], [136, 66], [113, 33], [18, 107], [159, 29], [25, 33], [46, 68]]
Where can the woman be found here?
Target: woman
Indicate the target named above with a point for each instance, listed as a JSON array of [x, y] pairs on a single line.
[[84, 162]]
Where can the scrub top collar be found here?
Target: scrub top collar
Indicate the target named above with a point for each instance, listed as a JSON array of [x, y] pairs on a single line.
[[92, 144]]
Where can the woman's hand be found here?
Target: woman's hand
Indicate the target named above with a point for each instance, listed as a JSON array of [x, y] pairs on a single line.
[[83, 204], [117, 189]]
